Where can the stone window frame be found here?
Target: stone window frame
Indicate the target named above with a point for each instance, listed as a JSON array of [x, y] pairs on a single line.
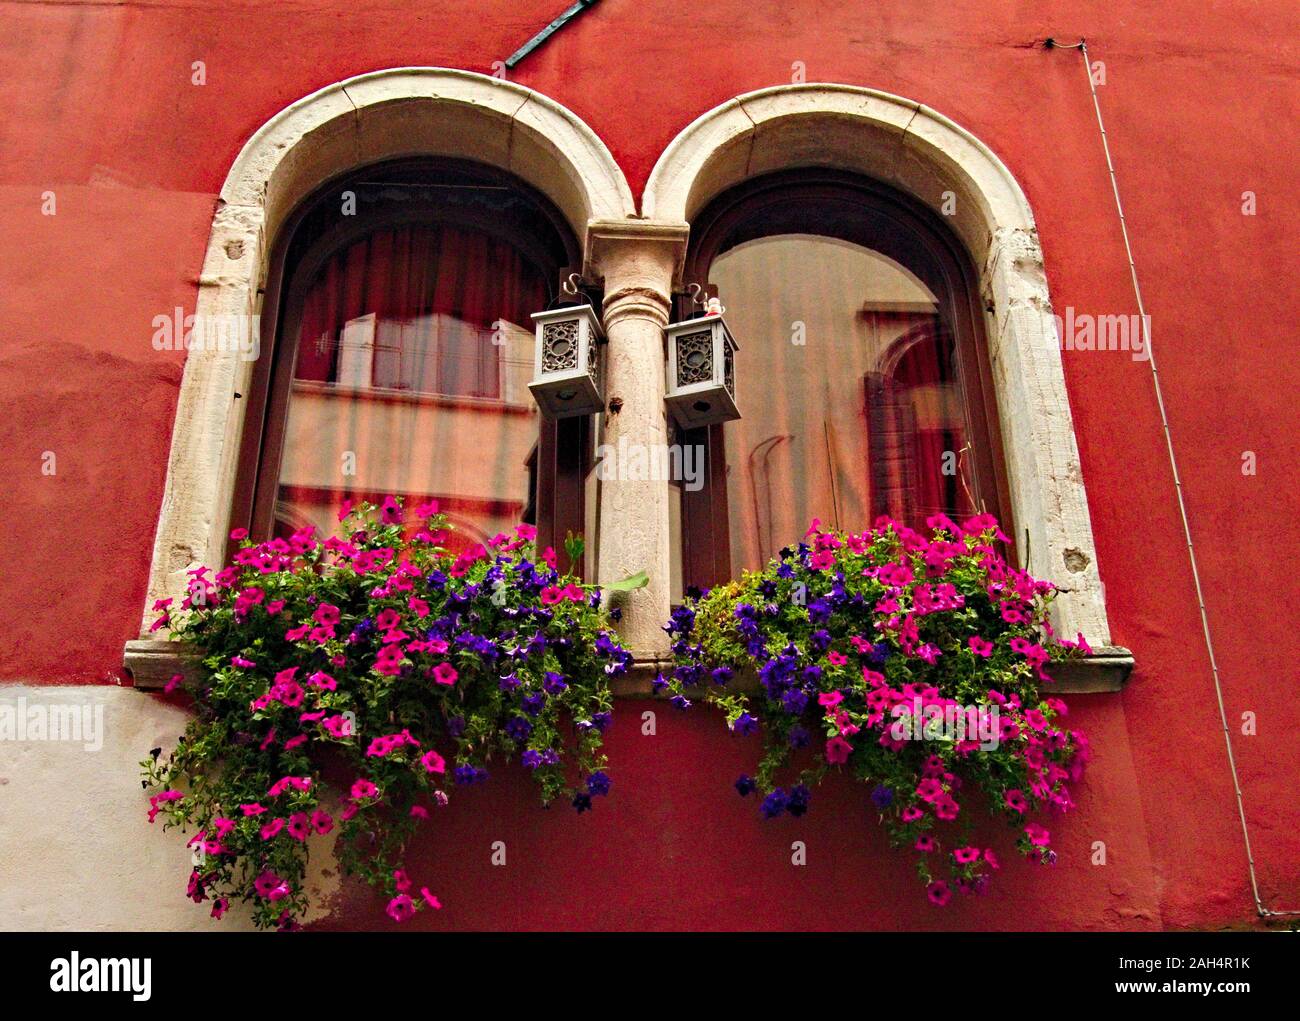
[[371, 118], [405, 112], [924, 154]]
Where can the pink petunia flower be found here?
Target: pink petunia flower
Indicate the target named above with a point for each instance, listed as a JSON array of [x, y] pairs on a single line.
[[337, 727], [364, 789], [946, 808], [929, 789], [266, 882], [272, 828], [939, 893], [445, 673], [980, 646], [433, 762], [299, 826], [400, 908]]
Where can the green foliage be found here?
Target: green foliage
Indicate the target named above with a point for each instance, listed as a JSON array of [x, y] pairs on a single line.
[[916, 664], [335, 676]]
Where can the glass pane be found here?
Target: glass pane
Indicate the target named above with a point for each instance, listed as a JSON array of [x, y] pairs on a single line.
[[414, 356], [847, 384]]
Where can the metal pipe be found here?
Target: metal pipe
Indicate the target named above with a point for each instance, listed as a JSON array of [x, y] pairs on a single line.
[[548, 31]]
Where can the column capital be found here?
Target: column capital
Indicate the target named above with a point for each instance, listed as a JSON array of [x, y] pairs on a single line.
[[640, 261], [609, 241]]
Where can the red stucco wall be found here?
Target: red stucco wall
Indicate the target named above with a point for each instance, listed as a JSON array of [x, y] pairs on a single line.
[[98, 107]]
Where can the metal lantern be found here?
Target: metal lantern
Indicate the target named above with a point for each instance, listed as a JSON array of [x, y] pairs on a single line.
[[567, 379], [702, 371]]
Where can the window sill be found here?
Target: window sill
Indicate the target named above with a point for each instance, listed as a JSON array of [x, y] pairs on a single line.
[[151, 663]]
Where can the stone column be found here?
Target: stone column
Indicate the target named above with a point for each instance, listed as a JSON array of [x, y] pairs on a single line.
[[638, 261]]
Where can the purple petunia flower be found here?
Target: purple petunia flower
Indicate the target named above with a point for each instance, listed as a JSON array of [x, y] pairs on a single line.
[[774, 804], [532, 703], [794, 701], [466, 775], [745, 724]]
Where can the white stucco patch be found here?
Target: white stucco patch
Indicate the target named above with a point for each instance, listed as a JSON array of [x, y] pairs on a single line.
[[76, 849]]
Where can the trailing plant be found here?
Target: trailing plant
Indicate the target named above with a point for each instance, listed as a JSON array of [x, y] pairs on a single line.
[[348, 684], [915, 663]]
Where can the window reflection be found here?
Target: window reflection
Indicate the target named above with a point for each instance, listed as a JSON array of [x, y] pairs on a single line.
[[414, 355], [848, 388]]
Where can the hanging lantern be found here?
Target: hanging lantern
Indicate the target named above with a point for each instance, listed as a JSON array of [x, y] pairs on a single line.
[[566, 363], [702, 370]]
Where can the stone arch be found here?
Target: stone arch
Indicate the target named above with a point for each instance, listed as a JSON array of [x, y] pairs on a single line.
[[923, 153], [352, 123]]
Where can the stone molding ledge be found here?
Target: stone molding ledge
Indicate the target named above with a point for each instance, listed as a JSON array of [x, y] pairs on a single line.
[[151, 663]]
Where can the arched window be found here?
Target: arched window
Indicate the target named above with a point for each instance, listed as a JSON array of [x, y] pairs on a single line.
[[862, 379], [401, 303]]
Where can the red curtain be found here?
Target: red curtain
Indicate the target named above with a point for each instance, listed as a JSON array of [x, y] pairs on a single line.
[[435, 292], [414, 309]]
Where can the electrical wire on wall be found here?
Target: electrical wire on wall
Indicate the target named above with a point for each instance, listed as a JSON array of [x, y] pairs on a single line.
[[1082, 47]]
